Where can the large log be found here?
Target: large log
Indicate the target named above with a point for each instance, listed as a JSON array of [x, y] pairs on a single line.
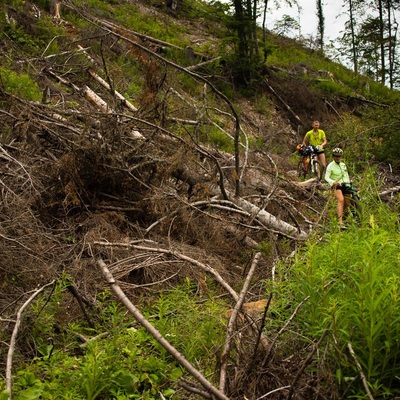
[[118, 95], [268, 219], [96, 100]]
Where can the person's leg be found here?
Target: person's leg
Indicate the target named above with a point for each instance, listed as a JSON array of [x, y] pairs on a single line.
[[340, 205], [322, 160], [346, 205]]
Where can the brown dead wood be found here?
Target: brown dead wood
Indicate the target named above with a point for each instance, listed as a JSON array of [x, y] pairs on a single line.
[[179, 256], [105, 84], [264, 217], [281, 331], [11, 347], [156, 334], [360, 371], [230, 329], [115, 31], [305, 364]]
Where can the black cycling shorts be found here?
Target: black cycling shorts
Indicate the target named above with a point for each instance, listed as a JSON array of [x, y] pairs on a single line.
[[344, 189]]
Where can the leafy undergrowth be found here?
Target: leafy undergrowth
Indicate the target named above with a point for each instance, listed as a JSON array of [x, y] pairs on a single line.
[[124, 361], [346, 284]]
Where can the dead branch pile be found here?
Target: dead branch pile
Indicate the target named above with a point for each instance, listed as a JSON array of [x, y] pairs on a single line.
[[87, 174]]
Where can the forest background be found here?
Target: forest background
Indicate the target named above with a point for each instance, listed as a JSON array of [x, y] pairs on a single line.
[[156, 240]]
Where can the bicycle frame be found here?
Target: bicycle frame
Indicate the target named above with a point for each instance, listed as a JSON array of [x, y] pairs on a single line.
[[310, 164], [307, 160]]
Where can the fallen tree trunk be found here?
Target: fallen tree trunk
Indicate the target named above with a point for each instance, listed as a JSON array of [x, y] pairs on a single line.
[[269, 220], [96, 100], [103, 83], [308, 183], [118, 95], [390, 191], [203, 64]]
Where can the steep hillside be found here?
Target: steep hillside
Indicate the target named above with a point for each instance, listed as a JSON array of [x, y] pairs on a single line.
[[126, 143]]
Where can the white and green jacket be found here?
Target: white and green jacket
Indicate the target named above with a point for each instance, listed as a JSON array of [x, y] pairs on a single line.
[[336, 172]]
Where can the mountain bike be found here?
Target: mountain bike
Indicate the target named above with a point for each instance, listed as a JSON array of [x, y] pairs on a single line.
[[352, 200], [309, 165]]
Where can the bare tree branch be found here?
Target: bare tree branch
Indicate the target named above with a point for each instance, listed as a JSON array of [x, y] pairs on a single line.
[[14, 337], [232, 320], [156, 334], [360, 371], [175, 254], [113, 29], [282, 330], [305, 364], [390, 191]]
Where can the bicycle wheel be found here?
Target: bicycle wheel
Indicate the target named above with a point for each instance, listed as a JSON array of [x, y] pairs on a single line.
[[318, 169], [301, 172]]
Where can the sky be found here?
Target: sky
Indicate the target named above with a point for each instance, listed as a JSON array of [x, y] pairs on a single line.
[[332, 9], [307, 18]]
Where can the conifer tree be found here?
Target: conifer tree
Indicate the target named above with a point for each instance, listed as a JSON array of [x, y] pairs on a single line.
[[321, 24]]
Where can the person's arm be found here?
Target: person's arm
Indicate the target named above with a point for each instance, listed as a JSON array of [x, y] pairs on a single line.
[[324, 142], [346, 177]]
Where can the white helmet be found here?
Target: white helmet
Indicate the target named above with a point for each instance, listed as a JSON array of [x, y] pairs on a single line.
[[337, 151]]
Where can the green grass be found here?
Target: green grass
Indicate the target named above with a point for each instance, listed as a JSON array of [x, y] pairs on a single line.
[[22, 85], [126, 362], [351, 280]]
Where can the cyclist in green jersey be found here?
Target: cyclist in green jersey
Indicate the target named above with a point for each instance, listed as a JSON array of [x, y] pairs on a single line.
[[336, 175], [316, 137]]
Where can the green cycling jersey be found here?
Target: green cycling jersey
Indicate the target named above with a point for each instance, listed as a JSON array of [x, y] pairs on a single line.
[[315, 138]]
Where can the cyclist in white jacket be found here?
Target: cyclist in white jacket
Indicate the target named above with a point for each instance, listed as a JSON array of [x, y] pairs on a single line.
[[336, 175]]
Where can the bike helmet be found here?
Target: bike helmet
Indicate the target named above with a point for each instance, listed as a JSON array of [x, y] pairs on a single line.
[[337, 152]]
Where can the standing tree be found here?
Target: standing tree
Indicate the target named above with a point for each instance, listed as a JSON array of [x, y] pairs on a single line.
[[391, 6], [387, 36], [247, 58], [264, 28], [321, 24], [368, 43], [352, 25], [382, 40]]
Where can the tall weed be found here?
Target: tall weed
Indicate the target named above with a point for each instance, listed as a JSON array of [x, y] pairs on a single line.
[[351, 281]]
